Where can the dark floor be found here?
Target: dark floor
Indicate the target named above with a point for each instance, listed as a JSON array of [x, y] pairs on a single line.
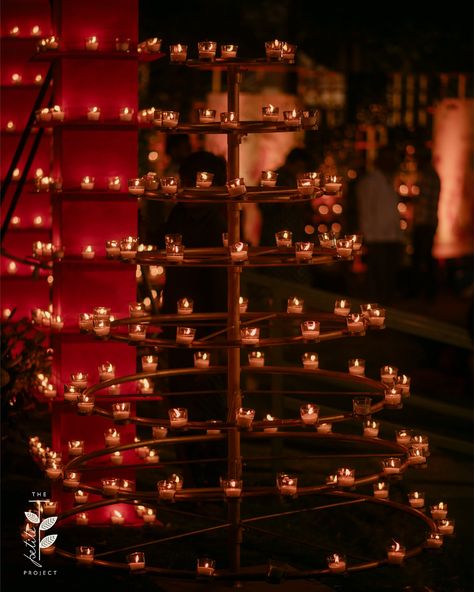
[[441, 406]]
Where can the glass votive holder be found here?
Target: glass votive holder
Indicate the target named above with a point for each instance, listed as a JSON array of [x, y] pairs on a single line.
[[345, 477], [128, 247], [381, 489], [205, 566], [232, 487], [356, 366], [152, 457], [288, 51], [88, 252], [71, 393], [145, 386], [371, 428], [273, 50], [421, 441], [229, 51], [149, 363], [166, 489], [85, 404], [376, 318], [310, 360], [185, 335], [294, 305], [137, 332], [206, 115], [229, 119], [116, 458], [75, 447], [445, 527], [403, 436], [91, 43], [250, 335], [71, 479], [356, 241], [305, 186], [136, 560], [159, 432], [256, 358], [287, 484], [416, 456], [395, 553], [121, 410], [87, 183], [185, 306], [152, 45], [122, 44], [304, 251], [434, 540], [225, 239], [114, 183], [80, 379], [151, 181], [355, 324], [292, 118], [126, 114], [284, 238], [310, 330], [93, 113], [388, 374], [344, 247], [173, 239], [110, 486], [439, 511], [112, 248], [342, 307], [175, 252], [136, 309], [366, 308], [327, 240], [112, 437], [85, 555], [116, 517], [149, 516], [202, 359], [309, 413], [392, 465], [243, 304], [207, 50], [245, 417], [403, 381], [178, 417], [332, 184], [236, 187], [393, 396], [57, 114], [54, 468], [310, 118], [178, 53], [169, 185], [336, 563], [238, 252], [170, 119], [361, 406], [270, 113], [416, 499], [268, 178], [269, 419], [204, 179]]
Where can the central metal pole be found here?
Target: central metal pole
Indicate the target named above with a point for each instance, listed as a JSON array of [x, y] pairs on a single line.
[[234, 399]]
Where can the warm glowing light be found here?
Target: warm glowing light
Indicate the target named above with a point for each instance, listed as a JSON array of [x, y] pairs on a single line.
[[16, 220], [336, 227], [10, 126], [38, 220], [153, 155], [403, 190], [12, 267], [16, 78], [16, 173], [402, 208], [323, 210], [337, 209], [14, 31]]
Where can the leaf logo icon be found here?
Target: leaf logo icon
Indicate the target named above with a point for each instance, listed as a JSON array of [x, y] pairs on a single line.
[[48, 523], [32, 517], [48, 541]]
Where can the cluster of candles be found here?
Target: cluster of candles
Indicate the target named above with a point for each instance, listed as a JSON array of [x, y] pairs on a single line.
[[150, 182], [44, 250], [47, 318], [276, 50], [48, 43], [43, 182], [15, 31]]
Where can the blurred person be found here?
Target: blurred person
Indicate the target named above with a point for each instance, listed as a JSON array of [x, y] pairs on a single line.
[[379, 222], [425, 223]]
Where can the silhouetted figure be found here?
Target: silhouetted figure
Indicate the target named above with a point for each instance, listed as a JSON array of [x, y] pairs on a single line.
[[379, 221], [425, 223]]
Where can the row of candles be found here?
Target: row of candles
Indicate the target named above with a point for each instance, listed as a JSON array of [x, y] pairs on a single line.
[[16, 78], [56, 113]]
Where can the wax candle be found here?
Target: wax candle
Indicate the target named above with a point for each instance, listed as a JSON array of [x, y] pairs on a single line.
[[207, 50], [243, 304], [403, 436], [145, 386], [393, 396], [310, 330], [232, 487], [185, 335], [112, 248], [310, 360], [149, 516], [126, 114], [178, 52], [93, 113], [206, 566], [250, 335], [356, 239], [327, 240], [238, 252], [356, 366], [113, 183], [82, 519], [395, 553], [336, 563], [416, 499], [57, 114], [178, 479], [136, 309], [256, 358], [288, 51], [310, 118], [141, 451], [381, 490], [50, 508], [101, 327], [50, 391], [185, 306], [76, 447], [292, 118], [166, 489], [152, 457], [178, 417], [71, 479], [391, 465], [159, 432], [268, 179], [324, 428], [81, 496], [121, 410], [43, 114], [270, 113], [294, 305], [112, 437], [54, 468], [136, 186], [229, 120], [377, 318], [91, 43], [332, 185], [284, 238], [342, 307], [355, 324], [403, 382], [287, 484], [305, 186], [244, 417], [206, 116], [361, 406], [439, 511], [110, 486], [88, 252], [175, 253], [201, 359], [116, 458], [371, 428], [344, 248], [116, 517], [149, 363], [445, 527], [79, 379], [304, 251], [345, 477], [416, 456], [85, 555], [229, 51], [87, 183], [152, 45], [270, 419], [388, 374], [14, 31], [137, 332], [309, 413], [136, 560], [16, 78], [434, 540], [273, 49], [170, 119], [236, 187]]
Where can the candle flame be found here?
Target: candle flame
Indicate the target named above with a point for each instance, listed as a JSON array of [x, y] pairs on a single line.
[[118, 514], [395, 546], [269, 417]]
